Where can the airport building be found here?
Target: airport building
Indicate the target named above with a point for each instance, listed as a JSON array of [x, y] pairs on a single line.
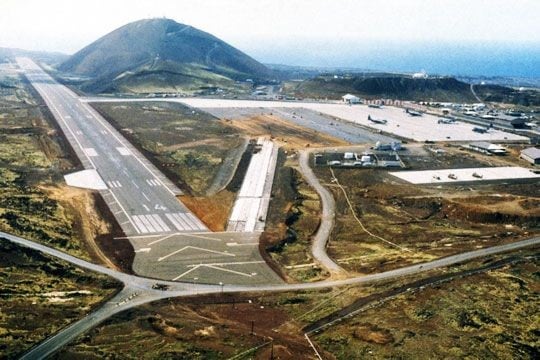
[[388, 160], [350, 99], [487, 148], [531, 155]]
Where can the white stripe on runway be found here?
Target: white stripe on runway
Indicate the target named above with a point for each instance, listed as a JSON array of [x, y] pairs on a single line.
[[182, 221], [153, 222], [139, 224], [184, 217], [90, 152], [164, 226], [147, 224], [174, 222], [123, 151]]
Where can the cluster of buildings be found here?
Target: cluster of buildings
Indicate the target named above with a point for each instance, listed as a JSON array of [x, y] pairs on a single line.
[[531, 154], [365, 159]]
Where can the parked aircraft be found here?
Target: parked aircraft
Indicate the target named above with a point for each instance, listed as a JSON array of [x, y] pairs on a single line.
[[446, 121], [376, 121], [413, 112]]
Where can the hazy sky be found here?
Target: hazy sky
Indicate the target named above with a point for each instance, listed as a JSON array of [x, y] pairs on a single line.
[[255, 26]]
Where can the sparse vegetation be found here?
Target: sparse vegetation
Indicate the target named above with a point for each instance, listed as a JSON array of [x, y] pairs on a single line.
[[488, 315], [423, 222], [40, 295], [293, 218]]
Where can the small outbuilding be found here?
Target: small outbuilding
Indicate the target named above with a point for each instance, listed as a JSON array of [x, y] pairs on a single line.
[[350, 99], [531, 155]]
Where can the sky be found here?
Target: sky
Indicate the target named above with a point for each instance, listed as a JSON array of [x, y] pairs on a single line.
[[327, 32]]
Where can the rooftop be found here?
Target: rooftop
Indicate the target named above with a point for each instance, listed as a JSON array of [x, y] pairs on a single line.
[[531, 152]]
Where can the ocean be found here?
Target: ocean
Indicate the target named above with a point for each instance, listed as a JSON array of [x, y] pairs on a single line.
[[490, 59]]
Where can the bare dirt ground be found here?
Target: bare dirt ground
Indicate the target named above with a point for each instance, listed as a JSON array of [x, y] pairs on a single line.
[[88, 223], [199, 328], [288, 135], [212, 210]]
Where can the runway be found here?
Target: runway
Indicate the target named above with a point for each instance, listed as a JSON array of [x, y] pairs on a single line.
[[140, 197]]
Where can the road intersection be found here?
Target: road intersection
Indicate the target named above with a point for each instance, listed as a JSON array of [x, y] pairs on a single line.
[[139, 290]]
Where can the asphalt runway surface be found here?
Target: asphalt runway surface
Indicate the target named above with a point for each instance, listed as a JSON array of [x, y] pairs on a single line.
[[209, 258], [170, 242], [141, 198]]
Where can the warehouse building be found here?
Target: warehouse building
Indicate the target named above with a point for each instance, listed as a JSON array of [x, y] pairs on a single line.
[[531, 155]]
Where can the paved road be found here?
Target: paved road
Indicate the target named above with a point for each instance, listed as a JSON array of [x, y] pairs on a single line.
[[475, 95], [328, 204], [138, 290], [139, 195]]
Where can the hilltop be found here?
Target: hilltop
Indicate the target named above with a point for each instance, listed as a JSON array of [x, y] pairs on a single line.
[[405, 87], [161, 55], [385, 86]]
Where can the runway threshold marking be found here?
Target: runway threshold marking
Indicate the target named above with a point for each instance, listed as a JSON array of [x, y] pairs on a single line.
[[195, 248]]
